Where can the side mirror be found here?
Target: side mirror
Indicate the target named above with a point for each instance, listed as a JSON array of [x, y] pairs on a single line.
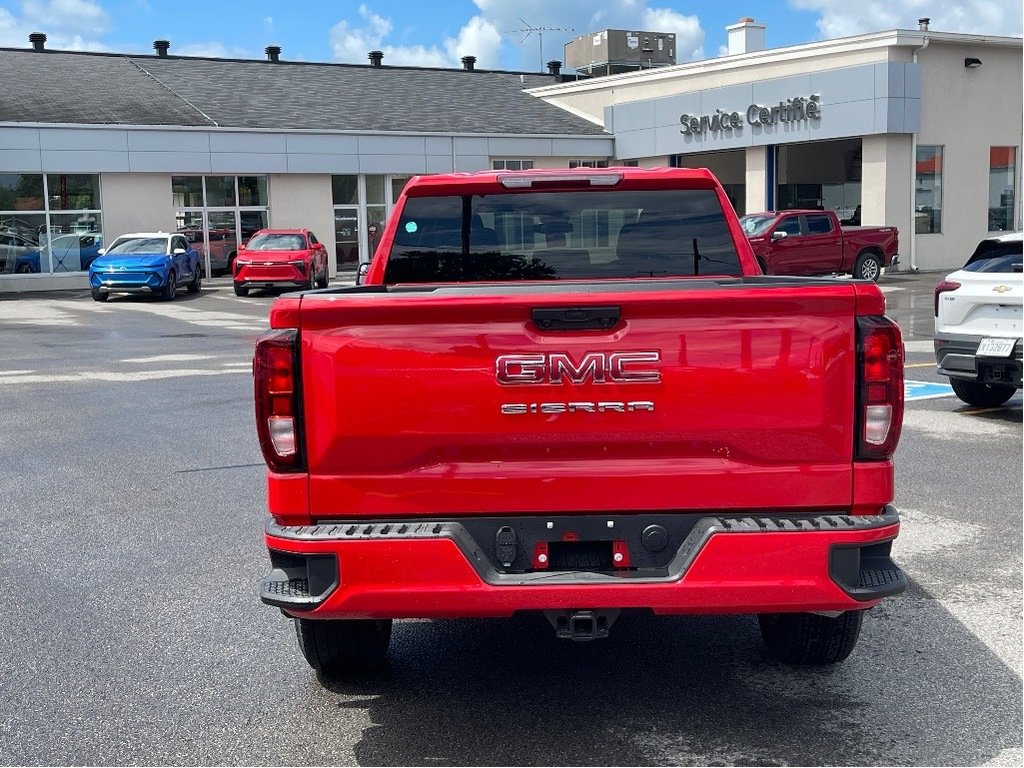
[[780, 235], [361, 272], [179, 251]]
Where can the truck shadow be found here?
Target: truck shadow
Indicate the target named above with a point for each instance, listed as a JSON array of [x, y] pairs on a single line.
[[919, 689]]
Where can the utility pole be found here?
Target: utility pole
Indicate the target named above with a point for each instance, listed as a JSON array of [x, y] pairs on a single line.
[[530, 29]]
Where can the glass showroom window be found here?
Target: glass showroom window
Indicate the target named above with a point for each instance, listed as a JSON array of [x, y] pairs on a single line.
[[1002, 198], [49, 223], [219, 212], [369, 199], [588, 163], [511, 165], [928, 191]]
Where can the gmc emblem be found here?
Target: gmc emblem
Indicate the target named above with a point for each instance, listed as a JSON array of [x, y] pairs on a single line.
[[593, 367]]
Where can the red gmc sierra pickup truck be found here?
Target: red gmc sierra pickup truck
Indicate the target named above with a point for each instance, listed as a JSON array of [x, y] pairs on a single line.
[[814, 243], [573, 392]]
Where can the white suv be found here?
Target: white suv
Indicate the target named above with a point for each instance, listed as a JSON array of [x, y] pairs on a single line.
[[978, 323]]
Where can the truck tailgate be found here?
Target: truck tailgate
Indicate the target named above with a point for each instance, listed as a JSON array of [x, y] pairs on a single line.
[[732, 394]]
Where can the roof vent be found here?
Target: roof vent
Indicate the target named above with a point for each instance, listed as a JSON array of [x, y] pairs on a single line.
[[376, 57], [468, 63], [38, 40], [555, 67], [161, 47], [273, 53], [923, 22]]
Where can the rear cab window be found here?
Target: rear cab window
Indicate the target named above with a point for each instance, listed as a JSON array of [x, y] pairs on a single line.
[[556, 235], [818, 224]]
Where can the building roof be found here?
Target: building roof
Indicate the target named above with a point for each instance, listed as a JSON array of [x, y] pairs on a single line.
[[766, 57], [114, 89]]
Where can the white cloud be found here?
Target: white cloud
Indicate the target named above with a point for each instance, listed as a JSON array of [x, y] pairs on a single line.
[[840, 18], [506, 24], [70, 25], [68, 16], [268, 23], [477, 38], [351, 43], [689, 35], [212, 50]]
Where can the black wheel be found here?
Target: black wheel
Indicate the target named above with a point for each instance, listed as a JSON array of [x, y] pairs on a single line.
[[353, 648], [98, 295], [241, 290], [196, 284], [25, 269], [324, 279], [868, 267], [171, 289], [231, 263], [984, 395], [807, 638]]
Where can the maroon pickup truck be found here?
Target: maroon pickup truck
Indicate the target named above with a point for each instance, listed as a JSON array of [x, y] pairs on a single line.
[[813, 243]]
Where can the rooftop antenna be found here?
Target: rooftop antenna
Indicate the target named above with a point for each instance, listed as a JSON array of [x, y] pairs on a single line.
[[529, 29]]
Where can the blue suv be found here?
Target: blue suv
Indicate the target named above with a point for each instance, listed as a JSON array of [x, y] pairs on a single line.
[[155, 262]]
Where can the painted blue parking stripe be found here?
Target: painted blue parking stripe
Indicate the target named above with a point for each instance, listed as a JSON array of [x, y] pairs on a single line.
[[925, 390]]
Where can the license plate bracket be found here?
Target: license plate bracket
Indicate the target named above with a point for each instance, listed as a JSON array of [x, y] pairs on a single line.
[[996, 347]]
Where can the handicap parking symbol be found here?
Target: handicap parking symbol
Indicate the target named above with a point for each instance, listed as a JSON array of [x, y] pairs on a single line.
[[925, 390]]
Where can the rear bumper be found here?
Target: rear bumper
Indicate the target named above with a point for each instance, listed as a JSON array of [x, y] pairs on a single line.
[[956, 356], [725, 564]]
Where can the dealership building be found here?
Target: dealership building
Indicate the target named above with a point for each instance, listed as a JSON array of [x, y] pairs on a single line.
[[917, 129]]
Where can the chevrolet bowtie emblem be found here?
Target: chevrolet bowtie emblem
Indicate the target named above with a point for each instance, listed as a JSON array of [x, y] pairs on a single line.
[[1001, 288]]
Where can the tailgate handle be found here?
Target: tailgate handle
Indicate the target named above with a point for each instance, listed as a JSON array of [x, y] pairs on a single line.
[[575, 318]]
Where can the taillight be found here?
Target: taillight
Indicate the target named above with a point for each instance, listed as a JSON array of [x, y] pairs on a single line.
[[879, 387], [278, 413], [945, 285]]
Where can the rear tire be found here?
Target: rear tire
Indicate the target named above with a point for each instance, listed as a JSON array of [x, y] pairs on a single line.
[[349, 648], [807, 638], [240, 290], [983, 395], [197, 282], [171, 289], [98, 295], [325, 278], [868, 267]]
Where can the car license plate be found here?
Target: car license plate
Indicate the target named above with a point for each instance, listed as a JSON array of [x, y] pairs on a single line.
[[996, 347]]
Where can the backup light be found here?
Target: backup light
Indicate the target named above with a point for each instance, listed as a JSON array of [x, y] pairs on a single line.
[[877, 422]]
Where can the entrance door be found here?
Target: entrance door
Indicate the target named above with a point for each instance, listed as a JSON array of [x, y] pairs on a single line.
[[346, 238], [222, 240]]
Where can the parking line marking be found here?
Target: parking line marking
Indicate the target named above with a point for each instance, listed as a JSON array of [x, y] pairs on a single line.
[[167, 358]]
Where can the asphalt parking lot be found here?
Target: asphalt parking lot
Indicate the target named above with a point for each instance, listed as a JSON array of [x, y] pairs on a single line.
[[132, 505]]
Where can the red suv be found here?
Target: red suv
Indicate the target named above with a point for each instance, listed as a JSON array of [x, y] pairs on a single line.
[[280, 257]]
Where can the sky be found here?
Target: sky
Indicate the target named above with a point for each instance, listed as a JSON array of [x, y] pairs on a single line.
[[516, 35]]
